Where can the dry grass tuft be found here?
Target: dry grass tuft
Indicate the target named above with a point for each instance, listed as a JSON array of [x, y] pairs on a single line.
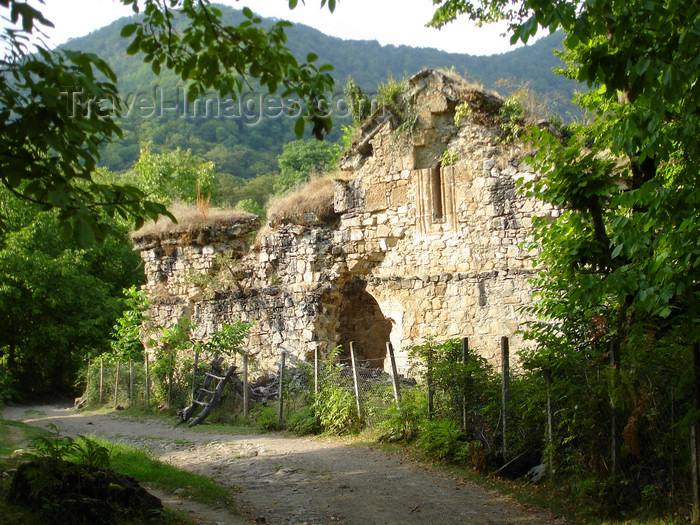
[[311, 202], [190, 219], [203, 204], [466, 82], [259, 240]]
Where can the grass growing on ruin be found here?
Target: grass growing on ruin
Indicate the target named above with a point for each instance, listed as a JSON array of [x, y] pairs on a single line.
[[189, 219], [315, 197]]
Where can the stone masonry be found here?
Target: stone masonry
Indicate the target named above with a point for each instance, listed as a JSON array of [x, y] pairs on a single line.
[[413, 248]]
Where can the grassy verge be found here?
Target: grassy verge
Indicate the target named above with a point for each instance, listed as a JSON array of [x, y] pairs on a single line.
[[14, 435], [125, 459], [216, 423], [143, 466]]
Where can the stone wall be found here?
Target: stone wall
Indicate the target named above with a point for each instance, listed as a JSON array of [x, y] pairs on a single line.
[[415, 249]]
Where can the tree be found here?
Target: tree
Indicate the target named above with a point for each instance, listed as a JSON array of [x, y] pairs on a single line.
[[173, 176], [126, 333], [57, 302], [359, 104], [300, 159], [58, 107], [621, 264], [628, 241]]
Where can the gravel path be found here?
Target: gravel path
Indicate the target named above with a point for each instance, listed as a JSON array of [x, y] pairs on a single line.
[[291, 480]]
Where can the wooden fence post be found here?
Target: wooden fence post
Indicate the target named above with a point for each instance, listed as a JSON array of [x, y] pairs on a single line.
[[316, 375], [170, 377], [148, 382], [102, 378], [116, 382], [194, 373], [246, 401], [465, 361], [280, 408], [131, 382], [614, 428], [505, 391], [550, 423], [695, 435], [355, 380], [429, 383], [87, 383], [394, 374]]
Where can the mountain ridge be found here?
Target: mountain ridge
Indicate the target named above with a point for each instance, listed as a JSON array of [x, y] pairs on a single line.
[[245, 150]]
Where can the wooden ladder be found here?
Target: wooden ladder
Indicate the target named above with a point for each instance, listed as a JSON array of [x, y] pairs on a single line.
[[210, 393]]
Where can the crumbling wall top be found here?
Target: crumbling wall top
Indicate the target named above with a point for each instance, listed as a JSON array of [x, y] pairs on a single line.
[[193, 227]]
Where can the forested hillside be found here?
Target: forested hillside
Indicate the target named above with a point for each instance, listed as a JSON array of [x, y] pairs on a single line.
[[246, 145]]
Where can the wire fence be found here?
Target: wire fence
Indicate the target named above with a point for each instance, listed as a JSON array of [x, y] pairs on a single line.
[[622, 435], [374, 387]]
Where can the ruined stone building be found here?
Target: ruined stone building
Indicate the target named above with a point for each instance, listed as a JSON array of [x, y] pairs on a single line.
[[410, 247]]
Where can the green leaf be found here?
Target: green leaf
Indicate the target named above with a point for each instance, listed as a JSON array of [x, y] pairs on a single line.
[[642, 66], [128, 30], [299, 127], [59, 198], [665, 312], [65, 230], [82, 232], [134, 47]]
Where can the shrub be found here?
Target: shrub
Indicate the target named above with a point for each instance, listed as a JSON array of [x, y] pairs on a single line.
[[303, 422], [402, 423], [8, 392], [266, 417], [441, 439], [474, 455], [337, 409], [83, 450]]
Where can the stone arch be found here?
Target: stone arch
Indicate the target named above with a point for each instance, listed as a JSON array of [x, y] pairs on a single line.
[[361, 320]]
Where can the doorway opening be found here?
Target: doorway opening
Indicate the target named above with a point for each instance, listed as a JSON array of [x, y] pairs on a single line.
[[362, 321]]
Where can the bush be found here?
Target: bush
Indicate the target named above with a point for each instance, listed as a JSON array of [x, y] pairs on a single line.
[[473, 454], [303, 422], [266, 417], [402, 423], [337, 410], [8, 390], [441, 439]]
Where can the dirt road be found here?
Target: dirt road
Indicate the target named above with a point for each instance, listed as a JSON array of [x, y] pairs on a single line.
[[293, 480]]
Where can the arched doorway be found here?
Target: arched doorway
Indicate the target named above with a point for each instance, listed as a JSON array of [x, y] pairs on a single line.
[[361, 320]]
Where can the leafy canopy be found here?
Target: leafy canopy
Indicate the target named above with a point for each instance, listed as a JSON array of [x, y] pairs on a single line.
[[57, 302], [300, 159], [58, 107], [173, 176]]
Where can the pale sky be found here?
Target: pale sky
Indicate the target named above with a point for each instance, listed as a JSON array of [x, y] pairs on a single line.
[[387, 21]]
